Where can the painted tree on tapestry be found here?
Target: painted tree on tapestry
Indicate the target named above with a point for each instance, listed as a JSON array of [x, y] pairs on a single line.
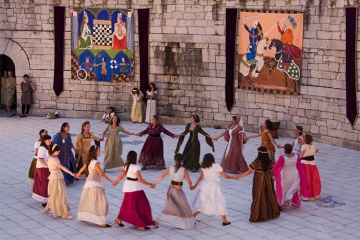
[[270, 51], [99, 47]]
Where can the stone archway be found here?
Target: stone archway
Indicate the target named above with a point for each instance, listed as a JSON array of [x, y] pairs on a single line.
[[6, 65], [14, 57]]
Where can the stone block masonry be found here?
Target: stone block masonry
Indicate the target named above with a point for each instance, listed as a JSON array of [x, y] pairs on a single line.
[[187, 62]]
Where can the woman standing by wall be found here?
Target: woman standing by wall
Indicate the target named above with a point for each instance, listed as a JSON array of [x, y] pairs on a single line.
[[66, 156], [152, 153], [233, 159], [83, 144], [191, 151], [5, 76], [113, 144], [27, 89], [151, 102], [10, 87], [137, 103]]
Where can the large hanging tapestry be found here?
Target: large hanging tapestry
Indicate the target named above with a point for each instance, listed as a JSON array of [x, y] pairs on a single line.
[[270, 51], [102, 45]]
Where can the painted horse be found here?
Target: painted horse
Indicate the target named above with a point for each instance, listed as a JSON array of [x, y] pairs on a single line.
[[292, 71]]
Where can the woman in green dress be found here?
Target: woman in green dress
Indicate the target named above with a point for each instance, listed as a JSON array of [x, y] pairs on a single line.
[[192, 148], [10, 87], [113, 144]]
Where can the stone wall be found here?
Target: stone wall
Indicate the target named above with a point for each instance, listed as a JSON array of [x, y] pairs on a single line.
[[187, 62]]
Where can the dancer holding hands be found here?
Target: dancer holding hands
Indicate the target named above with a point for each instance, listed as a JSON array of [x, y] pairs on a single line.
[[177, 211], [135, 208]]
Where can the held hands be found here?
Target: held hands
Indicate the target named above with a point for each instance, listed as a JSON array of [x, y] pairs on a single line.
[[153, 185], [192, 187], [114, 183], [237, 177]]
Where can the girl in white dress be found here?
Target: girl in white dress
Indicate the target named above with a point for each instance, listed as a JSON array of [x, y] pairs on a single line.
[[177, 211], [299, 141], [33, 162], [209, 199], [151, 102]]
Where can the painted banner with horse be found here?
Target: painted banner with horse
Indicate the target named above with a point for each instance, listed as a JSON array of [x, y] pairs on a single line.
[[270, 51]]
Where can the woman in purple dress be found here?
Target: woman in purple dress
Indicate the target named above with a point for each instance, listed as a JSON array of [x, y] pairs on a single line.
[[152, 152]]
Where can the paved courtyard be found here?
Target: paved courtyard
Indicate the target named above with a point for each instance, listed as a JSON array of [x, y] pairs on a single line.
[[21, 217]]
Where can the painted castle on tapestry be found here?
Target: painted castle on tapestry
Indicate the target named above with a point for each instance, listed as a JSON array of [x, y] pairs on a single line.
[[102, 47]]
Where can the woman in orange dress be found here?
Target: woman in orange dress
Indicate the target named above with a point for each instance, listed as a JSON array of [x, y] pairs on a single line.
[[267, 139]]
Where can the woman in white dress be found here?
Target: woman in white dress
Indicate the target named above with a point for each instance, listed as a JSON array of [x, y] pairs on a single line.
[[177, 211], [287, 178], [209, 199], [299, 141], [93, 205], [151, 102]]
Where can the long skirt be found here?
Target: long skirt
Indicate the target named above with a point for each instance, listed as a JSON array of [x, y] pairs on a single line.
[[93, 206], [135, 209], [209, 199], [313, 180], [58, 202], [32, 172], [177, 211], [40, 188], [150, 110], [152, 153]]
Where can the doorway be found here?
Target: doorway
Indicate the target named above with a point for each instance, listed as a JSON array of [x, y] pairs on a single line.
[[6, 64]]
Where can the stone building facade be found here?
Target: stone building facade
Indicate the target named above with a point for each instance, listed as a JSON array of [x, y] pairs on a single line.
[[187, 62]]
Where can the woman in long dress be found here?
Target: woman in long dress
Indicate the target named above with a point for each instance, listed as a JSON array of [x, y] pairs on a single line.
[[152, 153], [10, 88], [233, 159], [58, 202], [83, 144], [264, 205], [135, 208], [151, 102], [33, 162], [209, 199], [267, 139], [287, 178], [299, 141], [5, 76], [177, 211], [113, 144], [191, 151], [136, 107], [307, 155], [66, 156], [40, 187], [27, 89], [93, 205]]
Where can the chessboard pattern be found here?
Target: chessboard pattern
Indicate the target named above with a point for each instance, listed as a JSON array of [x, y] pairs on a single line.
[[102, 34]]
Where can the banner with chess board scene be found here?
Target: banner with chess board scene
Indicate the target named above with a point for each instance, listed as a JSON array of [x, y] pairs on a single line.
[[101, 45], [270, 51]]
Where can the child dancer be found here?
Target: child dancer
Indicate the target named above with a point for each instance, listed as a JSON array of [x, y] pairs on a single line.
[[177, 211], [264, 205], [109, 115], [58, 202], [135, 208], [40, 187], [308, 150], [33, 162], [93, 205], [209, 199]]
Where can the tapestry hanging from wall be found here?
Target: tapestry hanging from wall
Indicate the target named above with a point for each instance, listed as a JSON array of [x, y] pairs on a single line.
[[101, 44], [270, 51]]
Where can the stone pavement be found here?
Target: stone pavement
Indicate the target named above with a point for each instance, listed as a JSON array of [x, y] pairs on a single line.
[[21, 217]]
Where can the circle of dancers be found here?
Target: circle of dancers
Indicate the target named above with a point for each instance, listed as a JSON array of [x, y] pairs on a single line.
[[277, 185]]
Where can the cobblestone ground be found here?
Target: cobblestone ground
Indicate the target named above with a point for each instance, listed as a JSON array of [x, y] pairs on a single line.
[[21, 217]]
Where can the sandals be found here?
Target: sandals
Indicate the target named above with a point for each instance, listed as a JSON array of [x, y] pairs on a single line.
[[68, 217], [226, 223], [105, 226], [118, 223], [143, 228], [156, 224], [46, 210]]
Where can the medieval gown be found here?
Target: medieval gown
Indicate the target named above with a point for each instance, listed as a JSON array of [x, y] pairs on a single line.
[[192, 148]]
